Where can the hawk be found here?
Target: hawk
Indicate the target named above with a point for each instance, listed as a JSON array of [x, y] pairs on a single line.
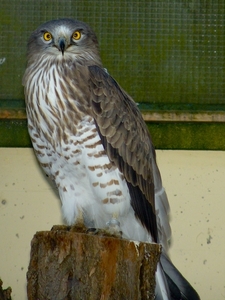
[[92, 141]]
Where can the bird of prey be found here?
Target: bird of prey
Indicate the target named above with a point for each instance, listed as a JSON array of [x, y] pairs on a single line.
[[91, 140]]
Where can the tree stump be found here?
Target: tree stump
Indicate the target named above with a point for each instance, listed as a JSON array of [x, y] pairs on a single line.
[[71, 264], [5, 294]]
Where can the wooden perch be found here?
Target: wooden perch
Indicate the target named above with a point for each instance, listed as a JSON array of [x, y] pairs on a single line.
[[73, 264], [5, 294]]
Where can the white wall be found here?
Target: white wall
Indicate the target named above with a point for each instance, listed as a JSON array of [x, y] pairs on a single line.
[[195, 186]]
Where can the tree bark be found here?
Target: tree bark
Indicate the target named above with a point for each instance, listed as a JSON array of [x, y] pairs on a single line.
[[5, 294], [73, 264]]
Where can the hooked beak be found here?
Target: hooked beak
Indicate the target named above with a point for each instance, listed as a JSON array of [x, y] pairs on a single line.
[[62, 45]]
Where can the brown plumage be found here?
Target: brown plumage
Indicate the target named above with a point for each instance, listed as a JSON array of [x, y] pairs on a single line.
[[90, 138], [126, 141]]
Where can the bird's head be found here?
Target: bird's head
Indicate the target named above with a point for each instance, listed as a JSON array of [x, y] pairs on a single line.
[[64, 38]]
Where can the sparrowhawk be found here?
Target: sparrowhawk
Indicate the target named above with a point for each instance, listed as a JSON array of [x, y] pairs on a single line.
[[91, 140]]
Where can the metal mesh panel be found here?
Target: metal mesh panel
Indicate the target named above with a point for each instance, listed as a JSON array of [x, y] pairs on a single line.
[[159, 51]]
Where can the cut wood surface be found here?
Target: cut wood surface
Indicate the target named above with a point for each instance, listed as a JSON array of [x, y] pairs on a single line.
[[75, 263]]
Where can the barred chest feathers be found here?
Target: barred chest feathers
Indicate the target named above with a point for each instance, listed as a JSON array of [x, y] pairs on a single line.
[[69, 149]]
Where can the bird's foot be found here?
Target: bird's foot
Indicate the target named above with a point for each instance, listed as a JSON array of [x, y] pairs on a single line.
[[79, 225], [113, 228]]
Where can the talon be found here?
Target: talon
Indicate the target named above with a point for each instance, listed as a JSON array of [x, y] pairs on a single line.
[[114, 227], [113, 223], [92, 230]]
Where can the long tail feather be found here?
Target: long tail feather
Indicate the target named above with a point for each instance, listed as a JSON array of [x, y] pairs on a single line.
[[161, 289], [175, 278]]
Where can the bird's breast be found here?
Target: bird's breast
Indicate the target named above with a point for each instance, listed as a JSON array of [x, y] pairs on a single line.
[[53, 103]]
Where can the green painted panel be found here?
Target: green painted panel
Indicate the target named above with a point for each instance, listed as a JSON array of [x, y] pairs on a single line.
[[198, 136], [159, 51], [188, 136], [13, 133]]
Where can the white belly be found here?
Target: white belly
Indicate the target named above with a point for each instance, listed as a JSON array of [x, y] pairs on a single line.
[[85, 177]]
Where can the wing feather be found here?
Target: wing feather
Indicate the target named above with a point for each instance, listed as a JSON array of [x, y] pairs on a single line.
[[127, 142]]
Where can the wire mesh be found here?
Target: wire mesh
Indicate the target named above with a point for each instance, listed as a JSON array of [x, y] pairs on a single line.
[[159, 51]]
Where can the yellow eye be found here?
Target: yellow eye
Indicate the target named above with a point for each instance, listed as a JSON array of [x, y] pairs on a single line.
[[76, 35], [47, 36]]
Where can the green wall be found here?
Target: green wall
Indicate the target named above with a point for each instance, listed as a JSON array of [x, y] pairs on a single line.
[[166, 53]]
